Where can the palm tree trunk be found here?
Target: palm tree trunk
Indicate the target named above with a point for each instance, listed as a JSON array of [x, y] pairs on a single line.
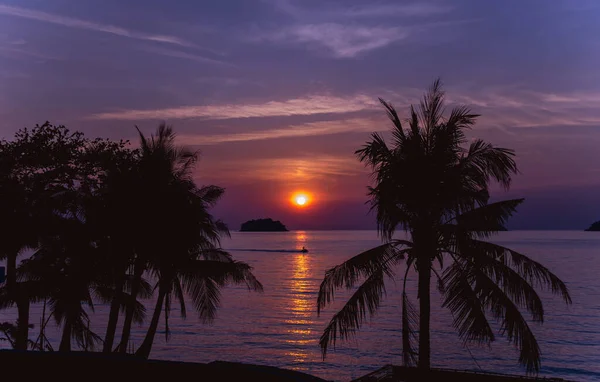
[[11, 274], [22, 339], [111, 328], [20, 299], [424, 268], [65, 342], [113, 317], [146, 347], [135, 289]]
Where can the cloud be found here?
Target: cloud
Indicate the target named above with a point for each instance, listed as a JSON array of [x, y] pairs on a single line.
[[518, 108], [372, 10], [395, 10], [294, 131], [186, 56], [89, 25], [298, 106], [228, 81], [342, 40], [348, 31], [298, 169], [24, 53]]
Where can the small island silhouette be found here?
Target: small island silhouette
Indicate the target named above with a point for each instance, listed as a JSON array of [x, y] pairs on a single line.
[[594, 227], [263, 225]]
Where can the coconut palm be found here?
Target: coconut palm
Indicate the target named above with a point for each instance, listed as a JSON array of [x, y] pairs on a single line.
[[160, 166], [175, 237], [192, 261], [115, 215], [202, 280], [435, 187], [69, 271]]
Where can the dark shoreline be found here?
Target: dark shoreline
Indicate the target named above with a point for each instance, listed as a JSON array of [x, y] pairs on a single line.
[[82, 366], [78, 366]]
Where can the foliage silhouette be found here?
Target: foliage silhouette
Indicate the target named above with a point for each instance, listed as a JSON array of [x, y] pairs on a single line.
[[436, 189], [182, 242], [37, 170], [100, 216]]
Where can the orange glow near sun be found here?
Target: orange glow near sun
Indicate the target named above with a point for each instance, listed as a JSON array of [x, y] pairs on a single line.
[[301, 199]]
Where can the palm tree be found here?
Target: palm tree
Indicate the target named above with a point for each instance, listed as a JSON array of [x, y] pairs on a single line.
[[69, 271], [114, 215], [182, 239], [202, 280], [436, 189]]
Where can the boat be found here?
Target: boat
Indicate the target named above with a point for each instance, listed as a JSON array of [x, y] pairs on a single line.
[[304, 250]]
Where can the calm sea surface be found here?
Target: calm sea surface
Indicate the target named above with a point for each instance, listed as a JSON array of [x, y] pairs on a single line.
[[280, 327]]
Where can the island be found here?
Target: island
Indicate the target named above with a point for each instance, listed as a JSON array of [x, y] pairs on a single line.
[[263, 225], [594, 227]]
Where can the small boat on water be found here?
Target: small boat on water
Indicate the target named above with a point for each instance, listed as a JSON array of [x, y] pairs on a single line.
[[304, 250]]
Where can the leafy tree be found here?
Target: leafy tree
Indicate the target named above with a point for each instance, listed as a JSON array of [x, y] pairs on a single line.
[[35, 167], [42, 172], [434, 186]]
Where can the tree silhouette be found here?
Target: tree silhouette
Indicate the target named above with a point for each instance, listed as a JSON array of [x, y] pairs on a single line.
[[35, 168], [436, 189], [176, 238], [43, 174]]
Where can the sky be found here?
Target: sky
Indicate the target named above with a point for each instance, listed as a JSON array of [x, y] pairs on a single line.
[[278, 94]]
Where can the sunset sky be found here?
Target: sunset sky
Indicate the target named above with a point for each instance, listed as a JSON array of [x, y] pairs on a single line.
[[277, 94]]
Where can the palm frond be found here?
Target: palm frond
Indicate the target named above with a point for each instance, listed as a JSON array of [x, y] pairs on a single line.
[[167, 307], [375, 152], [363, 265], [344, 323], [398, 132], [513, 324], [461, 118], [466, 308], [432, 106], [533, 272], [81, 333], [215, 254], [410, 320], [206, 297], [210, 194], [179, 295], [145, 290], [202, 280], [486, 162], [487, 219]]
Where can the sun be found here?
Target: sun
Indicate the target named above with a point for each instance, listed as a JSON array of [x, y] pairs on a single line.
[[301, 199]]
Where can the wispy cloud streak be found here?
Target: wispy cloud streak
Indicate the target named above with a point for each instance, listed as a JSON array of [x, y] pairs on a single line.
[[89, 25], [298, 106], [294, 169], [347, 30], [345, 41], [296, 131], [186, 56]]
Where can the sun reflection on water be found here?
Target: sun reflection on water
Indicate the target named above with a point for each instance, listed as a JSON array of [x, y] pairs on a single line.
[[301, 305]]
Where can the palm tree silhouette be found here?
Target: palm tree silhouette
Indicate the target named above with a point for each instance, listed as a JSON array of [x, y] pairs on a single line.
[[69, 270], [179, 242], [48, 177], [116, 218], [435, 189], [36, 166]]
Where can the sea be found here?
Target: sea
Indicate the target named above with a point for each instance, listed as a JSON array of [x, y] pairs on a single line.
[[280, 327]]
